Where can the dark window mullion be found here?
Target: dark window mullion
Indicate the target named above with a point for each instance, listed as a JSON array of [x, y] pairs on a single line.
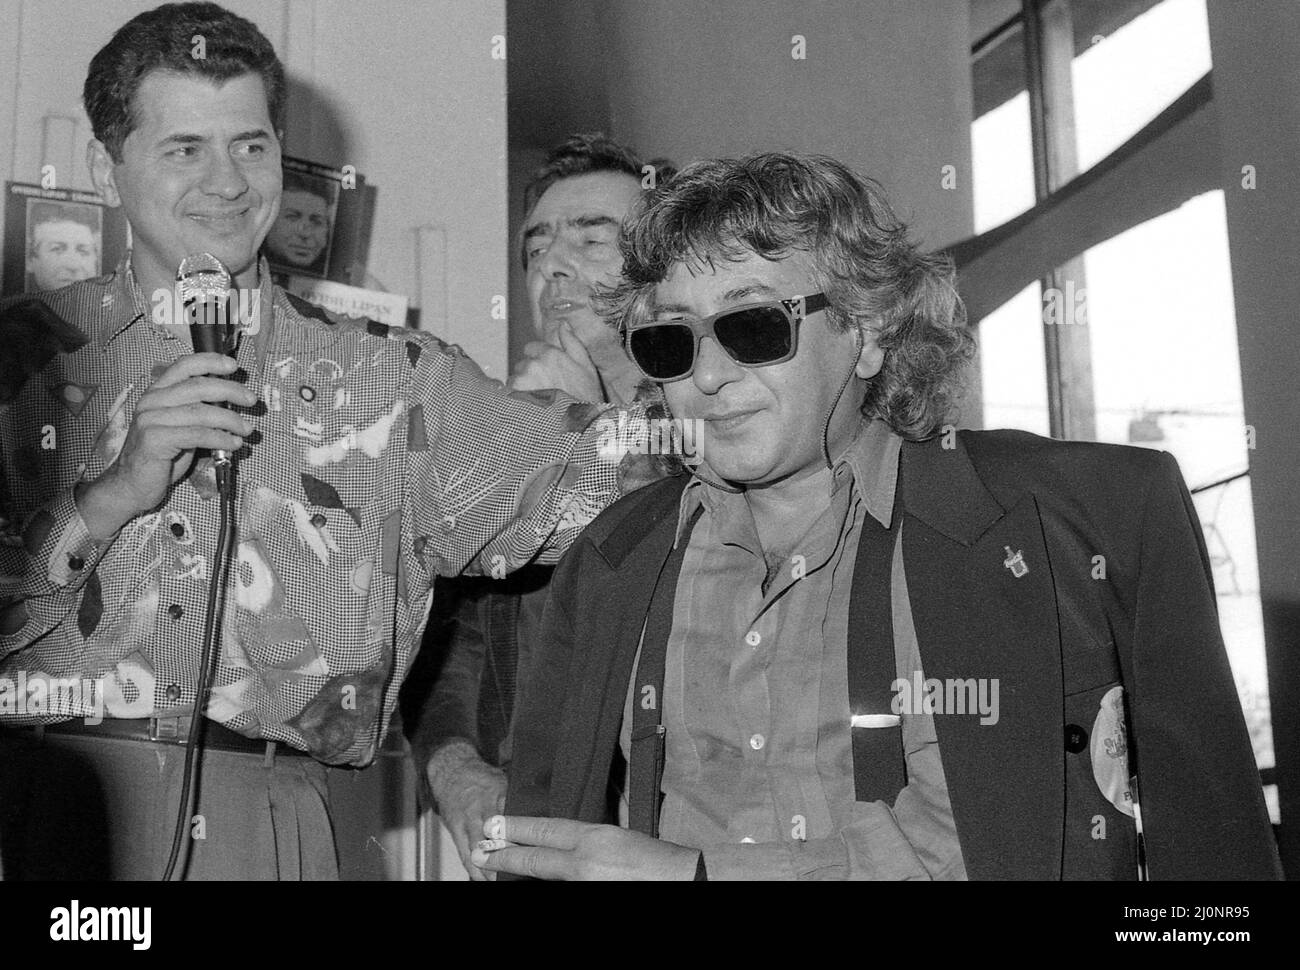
[[1049, 55]]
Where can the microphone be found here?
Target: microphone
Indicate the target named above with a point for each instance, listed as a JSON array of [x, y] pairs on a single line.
[[204, 286]]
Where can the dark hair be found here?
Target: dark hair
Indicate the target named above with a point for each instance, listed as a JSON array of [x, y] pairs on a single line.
[[297, 182], [583, 154], [164, 39], [775, 204]]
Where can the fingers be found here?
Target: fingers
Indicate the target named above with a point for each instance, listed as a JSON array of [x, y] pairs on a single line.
[[464, 834], [195, 416], [194, 365], [523, 860], [167, 442], [193, 390], [554, 833], [574, 347]]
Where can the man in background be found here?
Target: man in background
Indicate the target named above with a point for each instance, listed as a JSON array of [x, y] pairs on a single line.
[[300, 236], [575, 204], [64, 247]]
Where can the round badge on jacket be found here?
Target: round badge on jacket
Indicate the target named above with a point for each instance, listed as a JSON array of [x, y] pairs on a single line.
[[1110, 751]]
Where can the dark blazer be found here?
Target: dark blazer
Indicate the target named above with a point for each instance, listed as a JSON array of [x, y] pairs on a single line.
[[1058, 637], [462, 684]]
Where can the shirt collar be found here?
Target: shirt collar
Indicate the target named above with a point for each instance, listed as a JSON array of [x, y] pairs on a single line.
[[125, 302], [869, 465]]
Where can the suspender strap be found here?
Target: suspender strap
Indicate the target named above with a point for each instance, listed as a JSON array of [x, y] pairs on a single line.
[[646, 771], [879, 767]]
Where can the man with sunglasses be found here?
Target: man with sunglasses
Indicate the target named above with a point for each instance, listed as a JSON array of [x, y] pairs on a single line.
[[853, 642]]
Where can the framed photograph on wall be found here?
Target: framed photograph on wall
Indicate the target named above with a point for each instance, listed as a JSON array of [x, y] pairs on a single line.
[[54, 237], [322, 227]]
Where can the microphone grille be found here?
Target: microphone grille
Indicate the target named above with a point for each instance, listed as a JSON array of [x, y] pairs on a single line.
[[202, 277]]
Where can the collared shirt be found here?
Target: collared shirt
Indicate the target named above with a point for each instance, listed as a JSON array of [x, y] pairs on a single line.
[[385, 457], [759, 758]]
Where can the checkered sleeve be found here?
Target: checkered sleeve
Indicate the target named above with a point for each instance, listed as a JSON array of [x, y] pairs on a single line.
[[508, 477], [44, 569]]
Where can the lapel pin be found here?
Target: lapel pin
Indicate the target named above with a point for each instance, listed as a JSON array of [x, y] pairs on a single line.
[[1015, 561]]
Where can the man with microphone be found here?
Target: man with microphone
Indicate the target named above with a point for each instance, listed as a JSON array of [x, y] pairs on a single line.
[[368, 460]]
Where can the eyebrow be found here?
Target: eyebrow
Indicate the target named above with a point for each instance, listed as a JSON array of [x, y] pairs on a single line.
[[578, 222], [744, 290], [736, 294], [252, 134]]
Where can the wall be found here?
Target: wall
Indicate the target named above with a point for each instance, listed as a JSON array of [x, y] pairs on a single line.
[[694, 80], [884, 87]]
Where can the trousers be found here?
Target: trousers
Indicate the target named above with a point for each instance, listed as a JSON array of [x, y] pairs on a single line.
[[75, 807]]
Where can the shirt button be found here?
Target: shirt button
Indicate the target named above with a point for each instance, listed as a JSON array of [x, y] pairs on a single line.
[[757, 741], [75, 563], [307, 392], [175, 611], [178, 530], [173, 692], [753, 638], [319, 520]]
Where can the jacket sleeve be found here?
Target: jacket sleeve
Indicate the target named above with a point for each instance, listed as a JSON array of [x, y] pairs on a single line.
[[539, 709], [1198, 786], [46, 571], [440, 697]]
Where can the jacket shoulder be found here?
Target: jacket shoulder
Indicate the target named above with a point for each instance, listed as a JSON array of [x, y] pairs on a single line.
[[1018, 460]]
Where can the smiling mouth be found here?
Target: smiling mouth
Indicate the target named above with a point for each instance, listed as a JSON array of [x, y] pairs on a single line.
[[561, 307], [727, 423], [219, 220]]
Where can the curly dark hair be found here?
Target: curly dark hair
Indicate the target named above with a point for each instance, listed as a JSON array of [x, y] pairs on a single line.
[[773, 204], [163, 39]]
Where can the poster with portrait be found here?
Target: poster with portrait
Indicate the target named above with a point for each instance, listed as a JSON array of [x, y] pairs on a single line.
[[321, 229], [54, 237]]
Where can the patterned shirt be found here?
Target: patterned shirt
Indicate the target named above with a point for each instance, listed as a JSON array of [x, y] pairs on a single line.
[[382, 457], [759, 760]]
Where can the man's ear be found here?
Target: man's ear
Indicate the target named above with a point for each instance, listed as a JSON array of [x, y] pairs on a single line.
[[870, 357], [101, 163]]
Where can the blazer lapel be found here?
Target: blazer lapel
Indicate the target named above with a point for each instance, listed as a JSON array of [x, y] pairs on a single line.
[[620, 602], [984, 606]]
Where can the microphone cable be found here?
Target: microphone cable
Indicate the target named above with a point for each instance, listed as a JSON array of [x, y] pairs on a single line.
[[211, 628], [203, 287]]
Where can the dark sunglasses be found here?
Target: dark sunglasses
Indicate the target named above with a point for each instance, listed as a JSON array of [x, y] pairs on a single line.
[[753, 335]]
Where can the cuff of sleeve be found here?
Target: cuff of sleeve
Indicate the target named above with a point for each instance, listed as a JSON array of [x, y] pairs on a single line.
[[58, 535]]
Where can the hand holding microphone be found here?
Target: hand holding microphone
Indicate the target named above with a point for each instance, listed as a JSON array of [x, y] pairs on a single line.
[[204, 288], [185, 409]]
